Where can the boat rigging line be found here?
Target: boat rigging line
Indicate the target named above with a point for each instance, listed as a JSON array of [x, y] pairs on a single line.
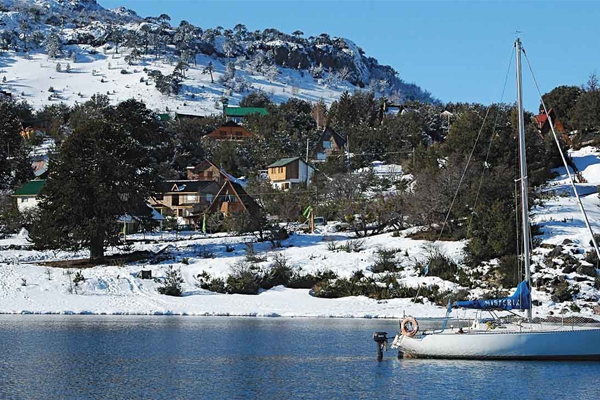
[[487, 155], [464, 172], [562, 156]]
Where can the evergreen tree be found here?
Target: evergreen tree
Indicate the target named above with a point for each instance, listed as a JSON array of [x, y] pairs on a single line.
[[209, 69], [586, 114], [53, 45], [15, 167], [563, 100], [256, 99], [24, 27], [105, 169]]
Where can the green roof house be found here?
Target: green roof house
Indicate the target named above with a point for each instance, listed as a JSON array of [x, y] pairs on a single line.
[[27, 195], [237, 114], [288, 172]]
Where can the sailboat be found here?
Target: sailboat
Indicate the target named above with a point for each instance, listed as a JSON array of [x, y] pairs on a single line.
[[525, 339]]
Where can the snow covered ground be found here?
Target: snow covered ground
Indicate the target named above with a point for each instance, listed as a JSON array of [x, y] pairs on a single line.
[[118, 290], [27, 287], [37, 81]]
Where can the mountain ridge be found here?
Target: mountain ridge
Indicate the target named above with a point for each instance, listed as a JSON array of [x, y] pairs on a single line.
[[94, 40]]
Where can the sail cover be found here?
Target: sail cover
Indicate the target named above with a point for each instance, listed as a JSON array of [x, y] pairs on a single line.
[[520, 300]]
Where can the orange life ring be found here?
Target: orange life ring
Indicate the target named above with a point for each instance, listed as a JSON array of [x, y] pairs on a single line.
[[415, 326]]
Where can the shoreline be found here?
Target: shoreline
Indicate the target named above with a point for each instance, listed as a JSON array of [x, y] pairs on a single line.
[[200, 315]]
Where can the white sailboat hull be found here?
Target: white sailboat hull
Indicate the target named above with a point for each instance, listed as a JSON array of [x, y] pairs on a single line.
[[582, 344]]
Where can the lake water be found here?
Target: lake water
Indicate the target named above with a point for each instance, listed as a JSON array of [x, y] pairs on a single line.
[[89, 357]]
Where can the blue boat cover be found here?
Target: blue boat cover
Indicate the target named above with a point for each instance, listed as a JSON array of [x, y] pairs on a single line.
[[520, 300]]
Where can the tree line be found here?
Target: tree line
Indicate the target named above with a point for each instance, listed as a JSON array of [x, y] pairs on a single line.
[[95, 177]]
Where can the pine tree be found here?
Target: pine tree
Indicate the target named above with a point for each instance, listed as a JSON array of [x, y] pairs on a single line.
[[209, 69], [180, 68], [53, 45], [58, 67], [15, 167], [105, 168], [24, 27], [229, 73]]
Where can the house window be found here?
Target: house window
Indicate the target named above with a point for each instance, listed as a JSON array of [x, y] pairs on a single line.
[[321, 156], [191, 198], [24, 199], [326, 144], [175, 200], [209, 174], [286, 186], [209, 197]]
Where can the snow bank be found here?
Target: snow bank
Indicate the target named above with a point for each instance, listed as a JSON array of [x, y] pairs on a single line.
[[29, 288]]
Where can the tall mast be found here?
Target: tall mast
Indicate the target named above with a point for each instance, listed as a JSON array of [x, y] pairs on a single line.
[[523, 168]]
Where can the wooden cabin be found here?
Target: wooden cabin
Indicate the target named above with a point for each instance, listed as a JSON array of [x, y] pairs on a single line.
[[229, 131], [233, 198], [182, 198], [290, 171], [329, 142], [207, 171]]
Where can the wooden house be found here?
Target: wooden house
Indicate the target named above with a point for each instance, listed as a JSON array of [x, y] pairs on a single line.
[[290, 171], [544, 124], [233, 198], [207, 171], [329, 142], [229, 131], [183, 198]]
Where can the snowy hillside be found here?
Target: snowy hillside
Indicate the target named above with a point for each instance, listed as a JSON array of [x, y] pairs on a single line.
[[67, 51], [560, 258], [37, 81]]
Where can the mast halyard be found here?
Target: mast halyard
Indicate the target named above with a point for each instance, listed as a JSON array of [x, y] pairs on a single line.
[[523, 170]]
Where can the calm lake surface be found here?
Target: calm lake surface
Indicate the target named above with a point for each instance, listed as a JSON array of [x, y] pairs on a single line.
[[90, 357]]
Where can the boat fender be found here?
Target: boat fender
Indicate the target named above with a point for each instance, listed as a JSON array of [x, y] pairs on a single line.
[[404, 324]]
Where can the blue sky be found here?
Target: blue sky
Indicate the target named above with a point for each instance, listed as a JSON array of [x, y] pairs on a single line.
[[458, 50]]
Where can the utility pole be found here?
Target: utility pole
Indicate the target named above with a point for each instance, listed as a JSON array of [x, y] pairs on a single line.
[[307, 141]]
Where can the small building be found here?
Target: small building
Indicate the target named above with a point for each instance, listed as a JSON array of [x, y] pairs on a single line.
[[287, 172], [238, 114], [229, 131], [182, 198], [544, 124], [208, 171], [181, 116], [134, 224], [329, 142], [27, 194], [232, 198], [391, 172]]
